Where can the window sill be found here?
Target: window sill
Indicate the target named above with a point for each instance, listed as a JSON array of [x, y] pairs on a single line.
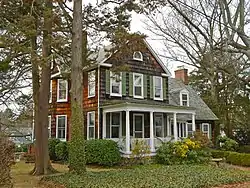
[[138, 97], [115, 95], [62, 100], [91, 96], [137, 59], [158, 99]]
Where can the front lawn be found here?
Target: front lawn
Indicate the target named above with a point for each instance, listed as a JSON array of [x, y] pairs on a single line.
[[184, 176]]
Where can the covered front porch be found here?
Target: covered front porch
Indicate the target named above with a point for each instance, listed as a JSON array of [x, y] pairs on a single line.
[[125, 123]]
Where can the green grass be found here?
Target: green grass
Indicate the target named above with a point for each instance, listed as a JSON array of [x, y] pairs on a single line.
[[183, 176]]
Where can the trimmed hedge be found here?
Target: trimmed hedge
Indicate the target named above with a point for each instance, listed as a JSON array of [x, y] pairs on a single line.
[[102, 152], [242, 159]]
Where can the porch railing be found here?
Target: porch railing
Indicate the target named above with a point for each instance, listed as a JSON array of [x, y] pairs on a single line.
[[157, 141]]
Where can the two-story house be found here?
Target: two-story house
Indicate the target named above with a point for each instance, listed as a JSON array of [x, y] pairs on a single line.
[[143, 102]]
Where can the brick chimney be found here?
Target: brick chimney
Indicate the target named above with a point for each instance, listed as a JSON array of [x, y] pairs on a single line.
[[182, 74]]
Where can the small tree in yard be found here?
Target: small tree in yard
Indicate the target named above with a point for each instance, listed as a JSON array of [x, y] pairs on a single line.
[[6, 160]]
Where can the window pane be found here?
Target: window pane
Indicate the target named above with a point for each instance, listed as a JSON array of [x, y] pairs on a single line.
[[138, 91], [158, 131], [91, 132], [91, 82], [115, 132], [115, 119], [138, 123], [205, 127], [61, 121], [184, 103], [91, 119], [116, 89], [184, 97], [62, 89], [157, 82], [157, 92], [138, 135], [138, 80], [61, 133]]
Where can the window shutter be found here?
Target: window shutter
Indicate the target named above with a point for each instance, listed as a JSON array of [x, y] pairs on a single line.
[[145, 86], [201, 129], [124, 83], [107, 81], [164, 88], [210, 131], [151, 87], [131, 85]]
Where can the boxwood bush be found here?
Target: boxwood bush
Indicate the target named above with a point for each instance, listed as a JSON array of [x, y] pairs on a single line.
[[235, 158], [61, 151], [102, 152], [52, 145]]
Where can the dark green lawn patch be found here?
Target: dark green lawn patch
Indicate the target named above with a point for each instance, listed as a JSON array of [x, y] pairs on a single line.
[[184, 176]]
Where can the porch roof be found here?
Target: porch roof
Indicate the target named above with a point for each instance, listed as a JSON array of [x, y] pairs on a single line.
[[143, 105]]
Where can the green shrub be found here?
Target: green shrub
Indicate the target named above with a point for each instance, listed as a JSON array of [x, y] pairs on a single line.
[[219, 153], [238, 159], [61, 151], [21, 148], [226, 144], [244, 149], [182, 152], [242, 159], [102, 152], [52, 144]]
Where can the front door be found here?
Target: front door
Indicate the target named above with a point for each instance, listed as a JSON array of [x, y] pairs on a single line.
[[138, 126]]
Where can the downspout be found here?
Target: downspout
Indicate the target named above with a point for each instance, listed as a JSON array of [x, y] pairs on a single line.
[[98, 100]]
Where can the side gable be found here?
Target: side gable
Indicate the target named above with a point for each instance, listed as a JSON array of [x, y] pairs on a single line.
[[203, 112]]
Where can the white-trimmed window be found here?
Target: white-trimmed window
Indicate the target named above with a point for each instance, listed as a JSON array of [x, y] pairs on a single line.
[[205, 129], [184, 98], [91, 125], [158, 122], [50, 92], [91, 83], [158, 91], [115, 84], [62, 90], [138, 85], [61, 127], [115, 125], [138, 56], [49, 126]]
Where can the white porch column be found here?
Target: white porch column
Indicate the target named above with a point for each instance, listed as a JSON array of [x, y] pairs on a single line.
[[193, 123], [127, 133], [175, 127], [152, 145], [104, 114], [168, 126]]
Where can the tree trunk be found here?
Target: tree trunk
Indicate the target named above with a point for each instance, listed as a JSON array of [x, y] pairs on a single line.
[[42, 162], [77, 149]]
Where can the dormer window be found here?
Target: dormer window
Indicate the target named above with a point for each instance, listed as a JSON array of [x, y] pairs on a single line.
[[184, 99], [138, 56]]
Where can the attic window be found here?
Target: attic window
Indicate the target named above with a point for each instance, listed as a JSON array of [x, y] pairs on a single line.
[[184, 99], [138, 56]]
